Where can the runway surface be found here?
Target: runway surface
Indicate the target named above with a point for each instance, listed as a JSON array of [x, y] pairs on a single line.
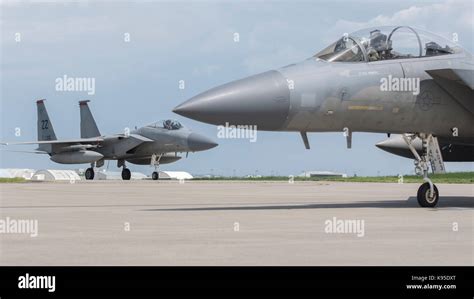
[[235, 223]]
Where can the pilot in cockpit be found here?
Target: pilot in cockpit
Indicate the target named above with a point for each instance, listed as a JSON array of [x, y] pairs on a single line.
[[378, 47], [167, 124]]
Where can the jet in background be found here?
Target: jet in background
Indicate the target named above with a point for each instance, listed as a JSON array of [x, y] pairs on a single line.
[[154, 144], [396, 80]]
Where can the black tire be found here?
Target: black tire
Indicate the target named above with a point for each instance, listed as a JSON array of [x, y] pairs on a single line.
[[89, 174], [423, 197], [126, 174], [155, 176]]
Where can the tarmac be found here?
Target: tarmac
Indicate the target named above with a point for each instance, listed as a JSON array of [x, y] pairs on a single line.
[[235, 223]]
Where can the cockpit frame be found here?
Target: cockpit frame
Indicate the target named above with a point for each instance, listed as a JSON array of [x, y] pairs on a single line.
[[167, 124], [420, 50], [377, 44]]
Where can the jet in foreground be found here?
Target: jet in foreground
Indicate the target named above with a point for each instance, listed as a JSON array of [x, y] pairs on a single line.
[[396, 80], [154, 144]]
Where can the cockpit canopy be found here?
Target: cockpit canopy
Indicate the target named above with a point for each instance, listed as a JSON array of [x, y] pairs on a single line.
[[169, 124], [386, 43]]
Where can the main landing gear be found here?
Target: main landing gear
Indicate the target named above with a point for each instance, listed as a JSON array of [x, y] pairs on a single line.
[[126, 173], [89, 174], [428, 194], [155, 162]]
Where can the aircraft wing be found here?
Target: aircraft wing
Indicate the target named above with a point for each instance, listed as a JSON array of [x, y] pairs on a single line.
[[63, 142], [122, 142], [126, 136], [29, 152], [459, 83], [141, 138], [460, 76]]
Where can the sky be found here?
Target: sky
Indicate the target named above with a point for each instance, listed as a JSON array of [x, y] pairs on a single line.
[[137, 80]]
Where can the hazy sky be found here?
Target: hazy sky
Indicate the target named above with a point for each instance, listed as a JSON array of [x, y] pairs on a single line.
[[137, 81]]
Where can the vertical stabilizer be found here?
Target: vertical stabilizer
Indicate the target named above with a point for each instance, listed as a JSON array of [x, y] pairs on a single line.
[[88, 126], [44, 125]]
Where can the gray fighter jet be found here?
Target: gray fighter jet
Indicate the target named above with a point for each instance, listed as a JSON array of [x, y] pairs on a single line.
[[397, 80], [154, 144]]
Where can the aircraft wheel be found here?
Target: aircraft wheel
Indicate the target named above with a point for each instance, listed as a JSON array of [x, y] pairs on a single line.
[[155, 176], [89, 174], [424, 198], [126, 174]]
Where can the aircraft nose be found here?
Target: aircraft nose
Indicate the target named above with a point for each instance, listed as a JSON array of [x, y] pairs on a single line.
[[262, 100], [197, 142]]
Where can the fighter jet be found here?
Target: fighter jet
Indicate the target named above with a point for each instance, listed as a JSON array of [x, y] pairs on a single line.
[[390, 79], [154, 144]]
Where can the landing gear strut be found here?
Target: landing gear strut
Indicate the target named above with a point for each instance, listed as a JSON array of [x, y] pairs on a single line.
[[126, 174], [428, 194], [155, 162]]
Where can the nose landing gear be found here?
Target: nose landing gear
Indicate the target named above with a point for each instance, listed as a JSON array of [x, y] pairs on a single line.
[[428, 194], [426, 197]]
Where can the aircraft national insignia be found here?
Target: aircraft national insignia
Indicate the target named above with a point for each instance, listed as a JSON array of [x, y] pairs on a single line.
[[425, 101]]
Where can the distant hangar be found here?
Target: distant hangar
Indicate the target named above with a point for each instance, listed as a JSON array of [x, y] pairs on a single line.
[[55, 175]]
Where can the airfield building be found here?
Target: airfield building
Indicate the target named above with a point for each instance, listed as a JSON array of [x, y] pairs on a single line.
[[55, 175]]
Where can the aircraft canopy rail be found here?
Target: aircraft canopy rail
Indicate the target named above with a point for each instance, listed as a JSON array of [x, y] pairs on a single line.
[[386, 43]]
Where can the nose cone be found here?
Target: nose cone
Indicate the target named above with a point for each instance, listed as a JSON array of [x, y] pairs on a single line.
[[197, 142], [262, 100]]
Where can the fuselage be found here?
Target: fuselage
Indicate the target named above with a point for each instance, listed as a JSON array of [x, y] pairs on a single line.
[[333, 96], [163, 141], [376, 80]]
